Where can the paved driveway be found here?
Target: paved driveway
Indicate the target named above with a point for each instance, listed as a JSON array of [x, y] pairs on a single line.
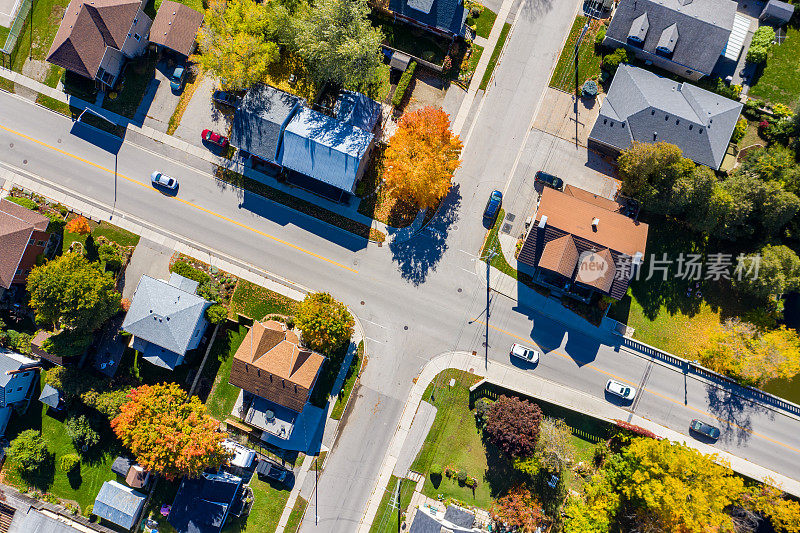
[[202, 113], [557, 116], [159, 102], [148, 258]]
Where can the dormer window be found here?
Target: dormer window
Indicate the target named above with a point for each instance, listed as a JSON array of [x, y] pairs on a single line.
[[137, 36], [666, 43], [638, 30]]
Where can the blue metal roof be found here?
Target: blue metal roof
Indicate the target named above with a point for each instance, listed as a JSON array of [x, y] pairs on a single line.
[[202, 504], [323, 148], [259, 121], [358, 110]]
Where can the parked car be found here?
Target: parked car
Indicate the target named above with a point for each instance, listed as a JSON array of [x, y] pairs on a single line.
[[523, 352], [620, 389], [162, 180], [271, 470], [493, 206], [704, 429], [550, 180], [177, 78], [215, 138], [225, 98]]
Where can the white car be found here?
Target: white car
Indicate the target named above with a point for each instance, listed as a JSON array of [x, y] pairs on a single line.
[[620, 389], [523, 352], [162, 180]]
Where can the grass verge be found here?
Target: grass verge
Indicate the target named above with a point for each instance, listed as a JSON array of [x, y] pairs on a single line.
[[498, 48], [54, 105], [588, 58], [7, 85], [256, 302], [349, 382], [492, 244], [483, 23], [183, 102], [386, 517], [293, 524], [319, 463]]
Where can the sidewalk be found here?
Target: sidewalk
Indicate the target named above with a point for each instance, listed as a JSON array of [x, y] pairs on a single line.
[[537, 387], [350, 211]]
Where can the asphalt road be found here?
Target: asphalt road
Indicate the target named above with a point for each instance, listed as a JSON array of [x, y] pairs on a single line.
[[420, 298]]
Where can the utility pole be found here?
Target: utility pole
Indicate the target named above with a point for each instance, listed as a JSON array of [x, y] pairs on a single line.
[[399, 506], [489, 256], [316, 491]]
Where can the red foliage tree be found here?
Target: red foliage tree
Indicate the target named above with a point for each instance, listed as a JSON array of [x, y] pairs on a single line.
[[636, 430], [79, 225], [518, 509], [513, 425]]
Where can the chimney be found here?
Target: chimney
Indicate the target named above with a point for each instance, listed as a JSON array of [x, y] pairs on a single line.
[[595, 222], [543, 221]]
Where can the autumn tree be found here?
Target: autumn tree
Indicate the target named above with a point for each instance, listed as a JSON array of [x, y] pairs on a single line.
[[518, 509], [778, 273], [338, 42], [169, 434], [70, 292], [738, 349], [595, 509], [78, 225], [513, 425], [237, 41], [326, 324], [422, 157], [768, 501], [554, 449]]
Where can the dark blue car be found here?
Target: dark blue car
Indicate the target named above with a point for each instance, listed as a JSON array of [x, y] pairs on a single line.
[[493, 206]]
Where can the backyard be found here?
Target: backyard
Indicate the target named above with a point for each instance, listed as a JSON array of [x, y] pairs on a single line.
[[46, 18], [779, 81], [414, 41], [589, 59]]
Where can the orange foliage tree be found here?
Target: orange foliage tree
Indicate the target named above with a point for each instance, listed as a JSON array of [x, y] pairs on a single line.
[[421, 157], [168, 434], [79, 225], [518, 509]]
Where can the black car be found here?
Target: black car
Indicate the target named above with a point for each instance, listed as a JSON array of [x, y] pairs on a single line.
[[271, 470], [550, 180], [225, 98], [493, 206], [704, 429]]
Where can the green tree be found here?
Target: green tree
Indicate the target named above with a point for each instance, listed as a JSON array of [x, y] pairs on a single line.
[[326, 324], [216, 313], [81, 432], [554, 448], [338, 42], [237, 41], [774, 163], [108, 403], [73, 293], [778, 273], [28, 452], [612, 61], [757, 207]]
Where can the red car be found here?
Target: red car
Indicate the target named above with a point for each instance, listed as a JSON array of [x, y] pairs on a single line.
[[215, 138]]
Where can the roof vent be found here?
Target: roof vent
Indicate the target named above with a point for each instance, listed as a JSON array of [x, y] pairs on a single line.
[[543, 221], [637, 258]]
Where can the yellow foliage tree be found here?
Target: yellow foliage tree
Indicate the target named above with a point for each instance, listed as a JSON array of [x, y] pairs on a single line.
[[79, 225], [421, 158], [784, 514]]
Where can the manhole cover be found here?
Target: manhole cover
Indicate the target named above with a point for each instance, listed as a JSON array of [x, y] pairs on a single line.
[[24, 161], [362, 302], [405, 327], [59, 141], [506, 228], [455, 227], [11, 145], [510, 217], [459, 289]]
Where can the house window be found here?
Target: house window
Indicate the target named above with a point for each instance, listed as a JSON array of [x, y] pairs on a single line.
[[19, 389], [137, 36], [25, 374], [135, 21], [32, 241]]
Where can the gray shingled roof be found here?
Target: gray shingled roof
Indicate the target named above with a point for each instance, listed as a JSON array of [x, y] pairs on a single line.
[[702, 26], [446, 15], [163, 314], [260, 119], [118, 504], [641, 106], [777, 10], [10, 361]]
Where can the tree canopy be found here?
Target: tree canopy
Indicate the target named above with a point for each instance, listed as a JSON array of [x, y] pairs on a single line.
[[71, 292], [554, 449], [326, 324], [28, 451], [422, 157], [513, 425], [518, 509], [168, 434], [778, 274]]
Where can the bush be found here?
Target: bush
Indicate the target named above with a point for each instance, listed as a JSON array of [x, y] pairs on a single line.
[[19, 342], [462, 476], [24, 202], [759, 46], [89, 512], [110, 256], [125, 304], [107, 403], [28, 451], [752, 106], [69, 462], [589, 88], [402, 85], [182, 268], [475, 11], [739, 129], [513, 426], [435, 470], [636, 430], [79, 225], [782, 110], [471, 482], [81, 432], [216, 313], [600, 36], [482, 407], [612, 61]]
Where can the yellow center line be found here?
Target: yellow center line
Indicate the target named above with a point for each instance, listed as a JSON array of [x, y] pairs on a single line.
[[186, 202], [609, 374]]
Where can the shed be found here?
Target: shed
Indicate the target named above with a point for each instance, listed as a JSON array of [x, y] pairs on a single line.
[[399, 60], [50, 396], [776, 12], [119, 504], [122, 465]]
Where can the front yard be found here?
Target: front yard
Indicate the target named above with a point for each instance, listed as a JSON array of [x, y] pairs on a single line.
[[46, 18], [411, 40], [256, 302], [589, 58], [135, 78], [780, 80]]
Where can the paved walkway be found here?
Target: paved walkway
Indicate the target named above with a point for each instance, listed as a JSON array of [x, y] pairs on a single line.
[[350, 211], [530, 384]]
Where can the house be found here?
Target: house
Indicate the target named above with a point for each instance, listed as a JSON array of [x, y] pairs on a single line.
[[260, 120], [359, 110], [276, 376], [685, 37], [442, 17], [324, 155], [776, 13], [18, 377], [96, 38], [581, 244], [119, 504], [175, 28], [643, 107], [166, 319], [455, 520], [203, 504], [23, 238]]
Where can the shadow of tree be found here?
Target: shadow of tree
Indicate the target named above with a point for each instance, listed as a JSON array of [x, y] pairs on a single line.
[[734, 411], [416, 257]]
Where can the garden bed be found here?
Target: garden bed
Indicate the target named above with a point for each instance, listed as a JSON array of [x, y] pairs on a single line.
[[135, 79]]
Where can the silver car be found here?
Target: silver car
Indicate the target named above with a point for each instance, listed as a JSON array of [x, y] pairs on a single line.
[[162, 180], [620, 389], [523, 352]]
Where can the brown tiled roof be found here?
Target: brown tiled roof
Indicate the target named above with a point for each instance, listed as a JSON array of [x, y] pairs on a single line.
[[574, 215], [175, 27], [590, 277], [560, 255], [88, 27], [271, 364], [592, 198], [16, 227]]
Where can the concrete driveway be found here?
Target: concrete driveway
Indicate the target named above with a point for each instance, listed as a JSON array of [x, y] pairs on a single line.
[[148, 258], [159, 101], [202, 113]]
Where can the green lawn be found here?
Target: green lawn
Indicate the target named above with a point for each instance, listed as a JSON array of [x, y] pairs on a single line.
[[104, 229], [495, 56], [588, 58], [492, 244], [3, 35], [46, 19], [53, 104], [268, 503], [386, 516], [256, 302], [136, 77], [349, 382], [6, 85], [484, 22], [223, 394], [780, 80], [293, 524]]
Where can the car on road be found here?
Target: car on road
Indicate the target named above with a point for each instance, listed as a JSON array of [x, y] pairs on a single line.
[[268, 469], [620, 389], [550, 180], [225, 98], [493, 206], [162, 180], [707, 430], [523, 352], [215, 138], [177, 78]]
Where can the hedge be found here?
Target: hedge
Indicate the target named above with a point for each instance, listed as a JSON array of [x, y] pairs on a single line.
[[402, 85], [24, 202]]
